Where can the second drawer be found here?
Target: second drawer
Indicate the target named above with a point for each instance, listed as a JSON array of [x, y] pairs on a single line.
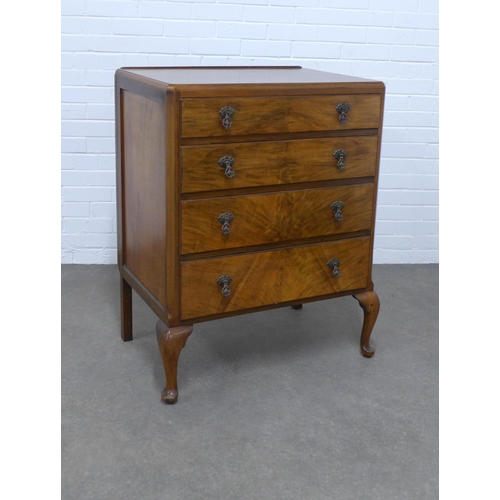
[[238, 221]]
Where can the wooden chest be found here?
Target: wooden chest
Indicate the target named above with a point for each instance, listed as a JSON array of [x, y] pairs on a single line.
[[243, 189]]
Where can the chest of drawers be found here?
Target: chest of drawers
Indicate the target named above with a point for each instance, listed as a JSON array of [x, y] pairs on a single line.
[[243, 189]]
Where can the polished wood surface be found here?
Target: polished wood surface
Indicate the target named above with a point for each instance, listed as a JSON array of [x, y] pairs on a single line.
[[170, 343], [144, 191], [276, 162], [268, 218], [274, 115], [370, 304], [283, 245], [272, 277]]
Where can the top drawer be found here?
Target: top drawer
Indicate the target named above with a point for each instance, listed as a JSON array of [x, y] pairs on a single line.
[[233, 116]]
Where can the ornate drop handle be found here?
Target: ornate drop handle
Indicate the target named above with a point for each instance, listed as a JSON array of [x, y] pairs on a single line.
[[227, 163], [225, 219], [333, 264], [337, 207], [227, 112], [342, 109], [340, 155], [224, 281]]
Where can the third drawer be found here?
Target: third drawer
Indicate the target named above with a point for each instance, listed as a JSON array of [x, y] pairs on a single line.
[[239, 221]]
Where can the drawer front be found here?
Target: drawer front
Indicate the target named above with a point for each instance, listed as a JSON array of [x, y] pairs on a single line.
[[276, 115], [236, 221], [238, 165], [272, 277]]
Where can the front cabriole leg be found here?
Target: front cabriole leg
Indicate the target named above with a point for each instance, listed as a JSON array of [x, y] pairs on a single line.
[[170, 343], [370, 304]]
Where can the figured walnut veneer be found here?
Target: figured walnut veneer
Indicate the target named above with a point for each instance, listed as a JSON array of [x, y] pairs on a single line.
[[243, 189]]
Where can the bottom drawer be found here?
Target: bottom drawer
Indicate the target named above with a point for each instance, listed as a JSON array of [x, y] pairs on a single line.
[[231, 283]]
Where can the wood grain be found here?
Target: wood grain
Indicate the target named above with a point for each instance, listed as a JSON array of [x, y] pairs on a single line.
[[276, 162], [268, 115], [276, 217], [264, 278], [144, 191]]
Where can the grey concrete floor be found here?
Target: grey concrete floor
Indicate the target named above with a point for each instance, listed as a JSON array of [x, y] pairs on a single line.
[[273, 405]]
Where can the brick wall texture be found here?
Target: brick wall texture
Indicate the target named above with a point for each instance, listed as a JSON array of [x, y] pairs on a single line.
[[392, 41]]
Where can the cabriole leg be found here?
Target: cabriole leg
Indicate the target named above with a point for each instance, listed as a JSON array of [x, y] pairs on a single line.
[[170, 343], [370, 304]]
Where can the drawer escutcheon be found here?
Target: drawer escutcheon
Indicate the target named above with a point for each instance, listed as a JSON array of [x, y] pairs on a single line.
[[333, 264], [227, 162], [337, 207], [342, 109], [227, 112], [224, 281], [225, 219], [340, 155]]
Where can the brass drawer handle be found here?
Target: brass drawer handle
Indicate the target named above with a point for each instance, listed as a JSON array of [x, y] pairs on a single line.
[[225, 219], [224, 281], [227, 163], [340, 155], [337, 207], [342, 109], [227, 112], [333, 264]]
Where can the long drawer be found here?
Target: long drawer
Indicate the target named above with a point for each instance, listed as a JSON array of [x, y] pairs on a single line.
[[237, 221], [239, 165], [232, 283], [233, 116]]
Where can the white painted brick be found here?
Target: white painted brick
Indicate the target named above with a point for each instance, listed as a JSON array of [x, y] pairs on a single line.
[[101, 78], [391, 150], [164, 45], [72, 77], [114, 8], [292, 32], [88, 178], [429, 6], [87, 194], [319, 16], [247, 2], [273, 49], [399, 5], [102, 43], [107, 210], [73, 43], [412, 86], [107, 162], [161, 60], [115, 61], [428, 37], [86, 94], [101, 112], [391, 36], [73, 145], [75, 209], [83, 25], [269, 14], [149, 27], [73, 111], [316, 49], [414, 20], [346, 4], [190, 29], [394, 242], [91, 225], [341, 67], [365, 51], [66, 60], [220, 12], [432, 151], [394, 134], [342, 34], [85, 128], [100, 145], [252, 31], [215, 47], [368, 18], [91, 240], [295, 3], [72, 8], [181, 60], [86, 61], [85, 162], [165, 10], [416, 54], [397, 103], [424, 135]]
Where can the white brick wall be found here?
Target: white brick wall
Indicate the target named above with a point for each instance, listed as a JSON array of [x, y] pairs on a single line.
[[393, 41]]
